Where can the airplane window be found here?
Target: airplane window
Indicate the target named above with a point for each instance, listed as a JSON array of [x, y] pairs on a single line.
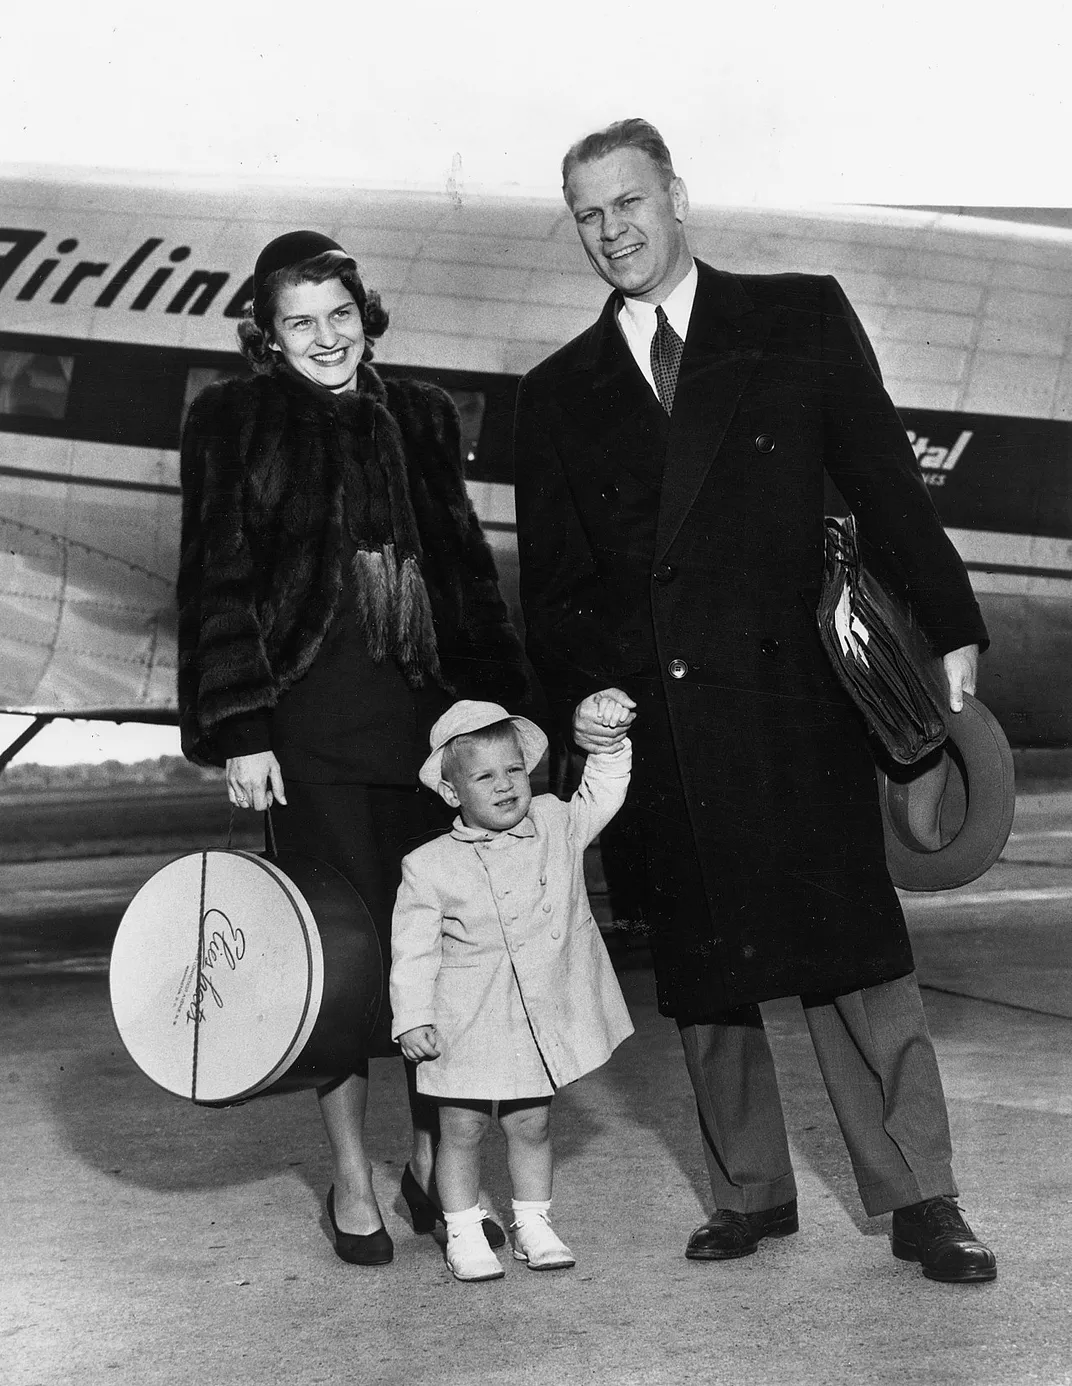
[[471, 408], [34, 385]]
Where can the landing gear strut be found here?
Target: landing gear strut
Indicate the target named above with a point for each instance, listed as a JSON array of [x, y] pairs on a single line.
[[23, 739]]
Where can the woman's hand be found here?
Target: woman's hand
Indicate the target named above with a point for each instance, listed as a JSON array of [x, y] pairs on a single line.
[[600, 722], [419, 1043], [255, 781]]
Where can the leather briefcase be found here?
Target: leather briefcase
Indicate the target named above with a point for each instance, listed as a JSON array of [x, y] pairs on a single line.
[[879, 653]]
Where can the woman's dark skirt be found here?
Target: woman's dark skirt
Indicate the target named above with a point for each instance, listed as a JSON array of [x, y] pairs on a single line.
[[363, 831]]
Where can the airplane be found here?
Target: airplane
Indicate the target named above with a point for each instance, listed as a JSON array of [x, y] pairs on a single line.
[[119, 299]]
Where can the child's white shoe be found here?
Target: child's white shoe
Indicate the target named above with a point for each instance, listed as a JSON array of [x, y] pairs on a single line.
[[468, 1254], [536, 1241]]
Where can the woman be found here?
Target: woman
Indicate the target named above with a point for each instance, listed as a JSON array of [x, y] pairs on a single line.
[[335, 593]]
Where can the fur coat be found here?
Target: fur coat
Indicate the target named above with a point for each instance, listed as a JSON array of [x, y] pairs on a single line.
[[266, 465]]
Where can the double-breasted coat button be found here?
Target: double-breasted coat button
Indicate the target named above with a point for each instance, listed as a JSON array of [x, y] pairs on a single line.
[[765, 443], [665, 572], [677, 668], [769, 647]]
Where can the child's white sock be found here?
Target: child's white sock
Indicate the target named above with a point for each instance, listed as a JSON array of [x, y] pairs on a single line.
[[534, 1208], [535, 1241], [456, 1221], [468, 1254]]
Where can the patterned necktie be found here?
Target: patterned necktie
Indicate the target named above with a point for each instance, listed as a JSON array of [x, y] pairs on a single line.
[[666, 349]]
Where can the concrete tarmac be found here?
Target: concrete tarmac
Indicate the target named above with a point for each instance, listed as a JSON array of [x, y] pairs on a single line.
[[148, 1241]]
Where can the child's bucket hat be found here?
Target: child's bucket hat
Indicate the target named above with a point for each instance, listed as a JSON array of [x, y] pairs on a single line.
[[470, 716]]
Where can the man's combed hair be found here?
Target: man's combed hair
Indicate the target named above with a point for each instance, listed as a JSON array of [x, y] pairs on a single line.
[[633, 133]]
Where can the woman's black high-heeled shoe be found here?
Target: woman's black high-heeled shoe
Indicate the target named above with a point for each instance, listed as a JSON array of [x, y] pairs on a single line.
[[425, 1212], [371, 1249]]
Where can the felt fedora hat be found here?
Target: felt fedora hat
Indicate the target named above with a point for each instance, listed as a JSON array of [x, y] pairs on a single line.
[[947, 818], [468, 715]]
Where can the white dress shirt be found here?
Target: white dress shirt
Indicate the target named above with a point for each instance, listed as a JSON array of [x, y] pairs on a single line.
[[637, 322]]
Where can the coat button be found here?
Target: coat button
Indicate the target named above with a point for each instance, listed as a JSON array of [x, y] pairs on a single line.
[[547, 909], [665, 572], [609, 493], [765, 443], [769, 647], [677, 668], [554, 933]]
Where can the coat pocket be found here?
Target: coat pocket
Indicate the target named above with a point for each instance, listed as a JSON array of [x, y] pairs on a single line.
[[457, 953]]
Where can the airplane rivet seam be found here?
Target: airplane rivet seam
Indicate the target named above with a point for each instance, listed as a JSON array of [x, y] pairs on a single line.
[[64, 543], [75, 603], [64, 648]]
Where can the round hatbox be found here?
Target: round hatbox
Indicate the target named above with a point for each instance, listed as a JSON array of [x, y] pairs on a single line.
[[233, 975]]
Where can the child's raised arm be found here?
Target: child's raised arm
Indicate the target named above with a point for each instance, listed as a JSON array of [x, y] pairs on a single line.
[[602, 791]]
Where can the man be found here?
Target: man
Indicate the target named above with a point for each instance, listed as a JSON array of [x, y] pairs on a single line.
[[670, 477]]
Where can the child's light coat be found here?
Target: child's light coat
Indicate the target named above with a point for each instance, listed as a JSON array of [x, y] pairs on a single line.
[[494, 943]]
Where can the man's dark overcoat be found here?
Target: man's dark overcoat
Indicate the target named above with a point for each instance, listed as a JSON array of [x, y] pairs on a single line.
[[681, 559]]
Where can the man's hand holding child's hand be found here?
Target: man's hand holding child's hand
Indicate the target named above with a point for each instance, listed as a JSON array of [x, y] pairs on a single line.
[[419, 1043], [601, 720]]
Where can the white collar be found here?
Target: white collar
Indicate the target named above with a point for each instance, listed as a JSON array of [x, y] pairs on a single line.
[[462, 831], [677, 307]]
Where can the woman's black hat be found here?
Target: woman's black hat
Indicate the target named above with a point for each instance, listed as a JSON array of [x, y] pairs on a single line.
[[290, 249]]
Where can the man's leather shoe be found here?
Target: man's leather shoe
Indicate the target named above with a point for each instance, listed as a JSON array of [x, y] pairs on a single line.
[[935, 1234], [726, 1234]]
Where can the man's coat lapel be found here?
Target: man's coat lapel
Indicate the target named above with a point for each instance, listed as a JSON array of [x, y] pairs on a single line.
[[724, 344], [610, 409]]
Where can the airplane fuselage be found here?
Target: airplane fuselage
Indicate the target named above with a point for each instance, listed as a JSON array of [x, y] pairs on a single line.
[[118, 303]]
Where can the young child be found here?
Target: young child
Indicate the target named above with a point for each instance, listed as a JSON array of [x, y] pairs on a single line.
[[501, 986]]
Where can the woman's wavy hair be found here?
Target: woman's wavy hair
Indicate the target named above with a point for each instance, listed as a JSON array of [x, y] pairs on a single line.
[[255, 333]]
